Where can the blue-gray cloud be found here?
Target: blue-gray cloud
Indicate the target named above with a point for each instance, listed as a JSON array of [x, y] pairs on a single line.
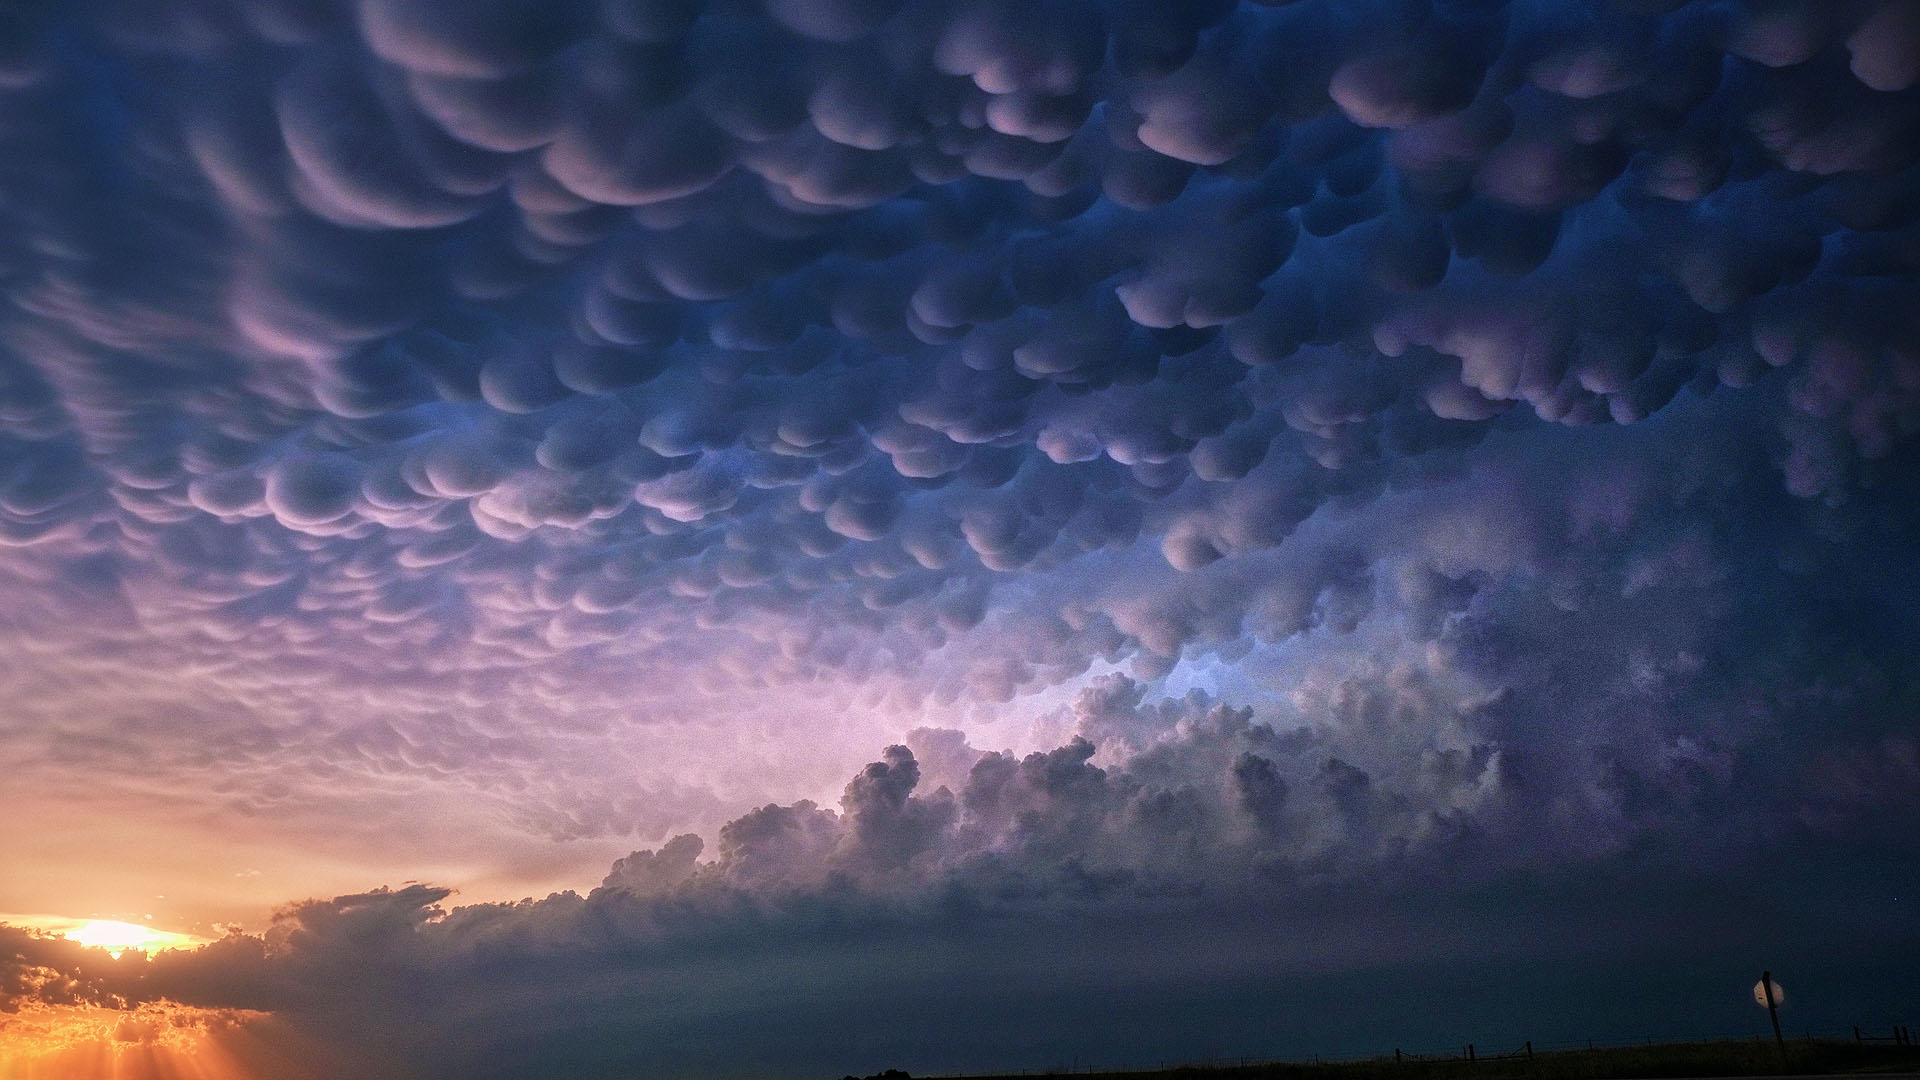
[[593, 419]]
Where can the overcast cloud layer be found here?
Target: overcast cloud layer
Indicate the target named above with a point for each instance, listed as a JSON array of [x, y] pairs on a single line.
[[1293, 487]]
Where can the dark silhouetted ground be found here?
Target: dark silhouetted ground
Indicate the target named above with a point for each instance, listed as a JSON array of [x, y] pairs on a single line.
[[1652, 1062]]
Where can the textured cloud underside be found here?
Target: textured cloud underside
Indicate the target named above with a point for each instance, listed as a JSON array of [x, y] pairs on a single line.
[[592, 419]]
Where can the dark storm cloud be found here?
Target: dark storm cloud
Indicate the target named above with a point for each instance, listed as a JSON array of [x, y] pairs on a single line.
[[1303, 850], [612, 415]]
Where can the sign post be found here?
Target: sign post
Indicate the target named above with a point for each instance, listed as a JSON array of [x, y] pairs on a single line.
[[1770, 994]]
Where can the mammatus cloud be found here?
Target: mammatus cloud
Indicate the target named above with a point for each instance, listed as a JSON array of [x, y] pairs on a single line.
[[443, 430], [487, 353]]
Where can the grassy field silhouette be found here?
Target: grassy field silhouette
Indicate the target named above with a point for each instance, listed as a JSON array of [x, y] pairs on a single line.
[[1729, 1057]]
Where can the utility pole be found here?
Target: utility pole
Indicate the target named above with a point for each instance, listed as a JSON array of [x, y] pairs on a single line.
[[1773, 1014]]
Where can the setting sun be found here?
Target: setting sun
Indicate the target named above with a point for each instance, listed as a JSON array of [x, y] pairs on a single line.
[[117, 937], [110, 934]]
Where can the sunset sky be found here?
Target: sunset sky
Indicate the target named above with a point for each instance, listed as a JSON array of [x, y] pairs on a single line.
[[783, 538]]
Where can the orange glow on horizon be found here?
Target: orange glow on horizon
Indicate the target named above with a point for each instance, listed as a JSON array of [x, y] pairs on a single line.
[[155, 1040], [163, 1040]]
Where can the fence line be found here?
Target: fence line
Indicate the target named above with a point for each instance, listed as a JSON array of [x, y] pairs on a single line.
[[1901, 1036], [1468, 1054]]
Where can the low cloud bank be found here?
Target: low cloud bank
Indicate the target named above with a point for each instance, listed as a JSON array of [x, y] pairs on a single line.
[[1216, 871]]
